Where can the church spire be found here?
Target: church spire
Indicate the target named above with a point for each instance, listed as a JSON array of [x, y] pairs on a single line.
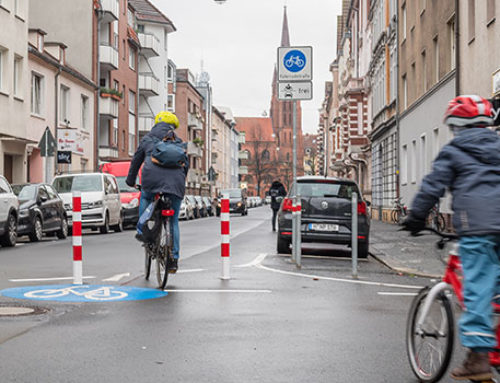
[[285, 34]]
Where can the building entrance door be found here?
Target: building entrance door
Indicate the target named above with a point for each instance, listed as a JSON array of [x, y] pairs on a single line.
[[8, 162]]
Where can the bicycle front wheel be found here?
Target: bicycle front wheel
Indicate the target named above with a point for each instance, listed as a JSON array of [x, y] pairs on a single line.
[[162, 255], [430, 346]]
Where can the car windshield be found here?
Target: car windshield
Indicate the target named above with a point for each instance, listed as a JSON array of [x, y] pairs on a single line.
[[233, 193], [85, 183], [323, 189], [123, 187], [24, 192]]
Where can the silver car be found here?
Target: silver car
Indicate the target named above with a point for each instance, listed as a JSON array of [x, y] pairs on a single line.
[[9, 213], [187, 209]]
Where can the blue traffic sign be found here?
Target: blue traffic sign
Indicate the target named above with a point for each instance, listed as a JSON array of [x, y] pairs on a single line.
[[295, 61], [83, 293]]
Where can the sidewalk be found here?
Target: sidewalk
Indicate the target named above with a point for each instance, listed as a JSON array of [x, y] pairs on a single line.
[[401, 252]]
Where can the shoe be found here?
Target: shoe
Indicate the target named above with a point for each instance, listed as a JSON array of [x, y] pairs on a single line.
[[172, 266], [475, 367], [274, 229], [139, 237]]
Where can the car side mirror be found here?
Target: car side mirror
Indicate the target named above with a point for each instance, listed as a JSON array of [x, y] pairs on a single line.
[[42, 199]]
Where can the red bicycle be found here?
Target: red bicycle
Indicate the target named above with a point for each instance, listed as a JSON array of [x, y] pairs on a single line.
[[430, 330]]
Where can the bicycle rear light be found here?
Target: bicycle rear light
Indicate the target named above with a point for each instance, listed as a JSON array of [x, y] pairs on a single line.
[[167, 213]]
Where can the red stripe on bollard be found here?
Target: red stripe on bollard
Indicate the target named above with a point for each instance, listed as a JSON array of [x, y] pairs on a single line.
[[77, 228], [224, 206], [224, 227], [77, 253], [225, 250], [77, 204]]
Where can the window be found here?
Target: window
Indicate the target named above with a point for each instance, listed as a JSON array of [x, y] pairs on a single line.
[[451, 37], [64, 105], [405, 93], [471, 14], [165, 40], [423, 156], [85, 112], [131, 101], [171, 103], [414, 82], [404, 165], [436, 59], [265, 155], [413, 161], [393, 73], [3, 56], [115, 132], [116, 85], [131, 123], [18, 72], [131, 58], [124, 45], [424, 73], [360, 118], [435, 143], [403, 12], [140, 28], [490, 11], [36, 93]]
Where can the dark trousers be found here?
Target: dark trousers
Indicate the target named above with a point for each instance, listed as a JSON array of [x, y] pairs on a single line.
[[275, 214]]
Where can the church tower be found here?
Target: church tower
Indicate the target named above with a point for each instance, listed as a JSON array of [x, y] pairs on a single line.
[[282, 121]]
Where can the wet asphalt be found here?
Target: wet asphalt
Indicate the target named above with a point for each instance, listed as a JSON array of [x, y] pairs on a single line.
[[270, 323]]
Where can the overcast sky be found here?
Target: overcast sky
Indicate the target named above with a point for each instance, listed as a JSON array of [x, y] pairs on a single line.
[[237, 42]]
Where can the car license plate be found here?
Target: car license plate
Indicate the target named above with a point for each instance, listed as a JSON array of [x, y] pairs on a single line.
[[323, 227]]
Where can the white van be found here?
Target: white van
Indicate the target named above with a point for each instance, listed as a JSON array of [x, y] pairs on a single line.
[[101, 206]]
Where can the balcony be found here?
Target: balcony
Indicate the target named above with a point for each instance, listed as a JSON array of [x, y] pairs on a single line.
[[108, 152], [108, 107], [108, 57], [149, 85], [194, 150], [150, 45], [109, 11], [145, 123], [194, 122], [243, 155], [243, 170]]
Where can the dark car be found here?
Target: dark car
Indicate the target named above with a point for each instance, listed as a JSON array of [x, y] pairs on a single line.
[[237, 201], [326, 214], [41, 210]]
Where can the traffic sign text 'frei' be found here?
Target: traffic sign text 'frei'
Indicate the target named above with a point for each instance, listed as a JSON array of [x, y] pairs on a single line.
[[295, 90]]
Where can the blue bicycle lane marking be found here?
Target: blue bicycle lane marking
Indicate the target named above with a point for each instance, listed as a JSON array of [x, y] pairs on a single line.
[[83, 293]]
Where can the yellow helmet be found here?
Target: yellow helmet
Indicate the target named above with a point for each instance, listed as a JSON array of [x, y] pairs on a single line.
[[168, 118]]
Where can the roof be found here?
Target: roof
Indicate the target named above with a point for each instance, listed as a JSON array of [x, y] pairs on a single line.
[[285, 33], [147, 12], [256, 128]]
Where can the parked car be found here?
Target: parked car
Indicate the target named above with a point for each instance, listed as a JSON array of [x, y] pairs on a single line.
[[196, 209], [267, 200], [201, 206], [258, 201], [129, 196], [187, 209], [9, 212], [210, 206], [41, 211], [101, 207], [326, 214], [237, 201]]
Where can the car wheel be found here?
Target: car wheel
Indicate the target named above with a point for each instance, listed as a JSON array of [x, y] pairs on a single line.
[[104, 229], [118, 228], [37, 233], [283, 245], [363, 250], [9, 239], [62, 233]]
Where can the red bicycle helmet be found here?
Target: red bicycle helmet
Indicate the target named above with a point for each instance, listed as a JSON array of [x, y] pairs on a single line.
[[469, 110]]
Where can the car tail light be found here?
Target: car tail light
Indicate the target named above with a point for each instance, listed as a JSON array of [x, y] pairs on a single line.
[[361, 208], [287, 204], [167, 213]]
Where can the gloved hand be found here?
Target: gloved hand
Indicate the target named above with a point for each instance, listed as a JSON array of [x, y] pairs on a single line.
[[413, 224]]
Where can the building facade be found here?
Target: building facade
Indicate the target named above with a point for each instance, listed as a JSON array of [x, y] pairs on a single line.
[[221, 150]]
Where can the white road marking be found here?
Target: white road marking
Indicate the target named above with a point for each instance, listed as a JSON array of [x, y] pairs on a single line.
[[354, 281], [48, 279], [325, 257], [257, 261], [189, 271], [116, 278], [218, 291], [397, 294]]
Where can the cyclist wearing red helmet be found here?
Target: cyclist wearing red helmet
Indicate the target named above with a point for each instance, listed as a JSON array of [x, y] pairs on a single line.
[[469, 166]]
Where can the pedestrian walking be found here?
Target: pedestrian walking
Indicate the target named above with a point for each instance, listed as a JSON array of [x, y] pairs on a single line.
[[277, 192], [469, 166]]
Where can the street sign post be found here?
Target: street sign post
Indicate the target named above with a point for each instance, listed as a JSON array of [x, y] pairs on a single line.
[[295, 64], [295, 90], [47, 146]]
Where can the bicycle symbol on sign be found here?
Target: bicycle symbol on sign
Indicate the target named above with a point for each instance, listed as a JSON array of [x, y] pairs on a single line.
[[103, 293], [294, 61]]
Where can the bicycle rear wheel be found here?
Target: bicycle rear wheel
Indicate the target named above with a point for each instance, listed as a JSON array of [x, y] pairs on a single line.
[[430, 347], [163, 255]]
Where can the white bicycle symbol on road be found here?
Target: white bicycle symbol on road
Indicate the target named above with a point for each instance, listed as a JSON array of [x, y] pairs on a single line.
[[294, 61], [103, 293]]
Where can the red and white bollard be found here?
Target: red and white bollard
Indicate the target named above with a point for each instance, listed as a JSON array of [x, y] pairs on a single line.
[[225, 250], [77, 239]]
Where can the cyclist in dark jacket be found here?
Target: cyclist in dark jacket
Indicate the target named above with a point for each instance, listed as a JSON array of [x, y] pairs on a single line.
[[277, 192], [157, 179], [470, 167]]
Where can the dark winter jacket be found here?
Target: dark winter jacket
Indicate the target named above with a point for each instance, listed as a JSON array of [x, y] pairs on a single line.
[[277, 190], [156, 179], [470, 167]]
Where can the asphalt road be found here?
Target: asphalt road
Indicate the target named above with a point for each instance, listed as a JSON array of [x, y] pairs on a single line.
[[270, 323]]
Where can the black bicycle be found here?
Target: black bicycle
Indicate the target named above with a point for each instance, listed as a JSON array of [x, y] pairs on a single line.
[[161, 250]]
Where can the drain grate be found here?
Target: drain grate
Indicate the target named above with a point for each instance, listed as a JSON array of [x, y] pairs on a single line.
[[13, 311]]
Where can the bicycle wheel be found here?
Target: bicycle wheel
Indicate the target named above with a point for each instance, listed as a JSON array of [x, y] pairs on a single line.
[[440, 222], [395, 216], [147, 261], [162, 255], [429, 347]]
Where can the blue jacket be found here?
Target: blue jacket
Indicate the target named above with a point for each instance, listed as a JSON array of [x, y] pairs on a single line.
[[156, 179], [470, 167]]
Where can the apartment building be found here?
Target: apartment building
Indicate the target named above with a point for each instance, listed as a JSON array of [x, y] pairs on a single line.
[[427, 78], [221, 150], [153, 28], [14, 95], [236, 140]]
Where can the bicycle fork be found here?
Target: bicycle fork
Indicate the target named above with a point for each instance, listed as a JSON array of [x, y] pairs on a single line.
[[434, 292]]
